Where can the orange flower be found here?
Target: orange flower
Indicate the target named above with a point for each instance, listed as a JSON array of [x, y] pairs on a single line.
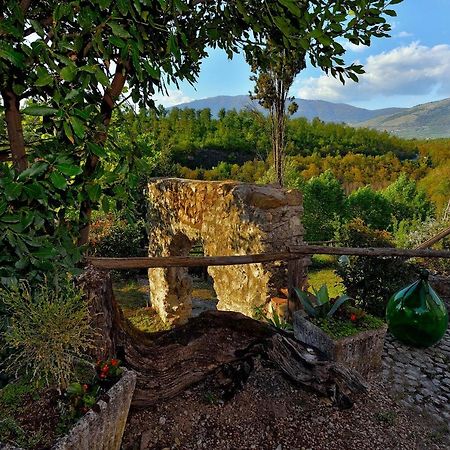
[[114, 362]]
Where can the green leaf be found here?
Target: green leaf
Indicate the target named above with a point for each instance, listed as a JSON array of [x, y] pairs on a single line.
[[13, 191], [117, 42], [39, 110], [58, 180], [94, 192], [96, 150], [36, 169], [69, 169], [291, 6], [34, 191], [68, 73], [101, 77], [304, 299], [44, 253], [68, 132], [44, 80], [118, 30], [78, 126], [339, 302], [7, 52], [106, 205]]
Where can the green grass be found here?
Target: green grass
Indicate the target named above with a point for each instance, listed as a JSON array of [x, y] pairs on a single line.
[[132, 298], [326, 276]]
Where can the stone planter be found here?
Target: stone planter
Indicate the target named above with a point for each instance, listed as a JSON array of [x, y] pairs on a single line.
[[361, 352], [100, 430]]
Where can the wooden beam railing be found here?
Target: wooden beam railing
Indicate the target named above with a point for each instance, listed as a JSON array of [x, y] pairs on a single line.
[[293, 254]]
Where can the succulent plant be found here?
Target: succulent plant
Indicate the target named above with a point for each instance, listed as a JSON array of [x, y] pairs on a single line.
[[319, 304]]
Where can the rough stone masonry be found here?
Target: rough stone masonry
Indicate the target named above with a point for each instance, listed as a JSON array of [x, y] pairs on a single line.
[[228, 218]]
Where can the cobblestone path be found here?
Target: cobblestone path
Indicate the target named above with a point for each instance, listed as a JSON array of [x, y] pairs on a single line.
[[420, 377]]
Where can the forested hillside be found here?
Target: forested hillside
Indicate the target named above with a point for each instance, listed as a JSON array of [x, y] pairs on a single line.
[[362, 167]]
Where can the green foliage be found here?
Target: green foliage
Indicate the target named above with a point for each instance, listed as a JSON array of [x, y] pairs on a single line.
[[418, 232], [13, 393], [49, 330], [34, 216], [407, 201], [338, 328], [371, 281], [114, 237], [370, 206], [11, 432], [273, 318], [320, 305], [323, 202]]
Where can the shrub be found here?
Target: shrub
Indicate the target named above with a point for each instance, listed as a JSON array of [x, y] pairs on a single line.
[[48, 332], [420, 232], [323, 203], [370, 206], [371, 281], [115, 237], [407, 201]]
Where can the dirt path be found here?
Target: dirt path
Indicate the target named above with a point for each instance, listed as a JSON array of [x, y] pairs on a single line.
[[269, 413]]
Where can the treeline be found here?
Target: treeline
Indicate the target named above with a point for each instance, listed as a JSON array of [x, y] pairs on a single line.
[[188, 133], [352, 170]]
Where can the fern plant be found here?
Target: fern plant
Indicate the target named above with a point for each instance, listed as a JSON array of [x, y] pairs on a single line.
[[319, 305]]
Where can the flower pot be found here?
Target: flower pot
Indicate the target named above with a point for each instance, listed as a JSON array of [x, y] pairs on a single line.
[[101, 429], [361, 352]]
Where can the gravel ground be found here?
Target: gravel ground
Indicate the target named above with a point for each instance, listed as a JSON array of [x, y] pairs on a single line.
[[270, 413]]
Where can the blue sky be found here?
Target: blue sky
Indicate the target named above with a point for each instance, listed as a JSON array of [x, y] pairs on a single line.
[[411, 67]]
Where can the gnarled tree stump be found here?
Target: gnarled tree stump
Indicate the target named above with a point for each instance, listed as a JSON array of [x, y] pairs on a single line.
[[169, 362]]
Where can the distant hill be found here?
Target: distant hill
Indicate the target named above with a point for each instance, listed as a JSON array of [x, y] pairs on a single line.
[[430, 120], [326, 111]]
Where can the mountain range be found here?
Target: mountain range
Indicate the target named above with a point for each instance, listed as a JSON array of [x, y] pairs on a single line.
[[429, 120]]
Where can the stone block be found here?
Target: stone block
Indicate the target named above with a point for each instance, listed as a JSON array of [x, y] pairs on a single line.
[[361, 352]]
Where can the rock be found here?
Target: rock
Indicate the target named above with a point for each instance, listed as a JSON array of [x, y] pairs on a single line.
[[228, 218]]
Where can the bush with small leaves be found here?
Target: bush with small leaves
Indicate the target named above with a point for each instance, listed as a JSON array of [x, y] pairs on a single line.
[[371, 281], [48, 332]]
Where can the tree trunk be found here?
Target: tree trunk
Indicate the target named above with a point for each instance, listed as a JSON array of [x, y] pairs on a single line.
[[107, 107], [216, 343], [14, 126]]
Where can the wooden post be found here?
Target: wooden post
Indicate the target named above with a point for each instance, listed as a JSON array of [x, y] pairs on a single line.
[[296, 278]]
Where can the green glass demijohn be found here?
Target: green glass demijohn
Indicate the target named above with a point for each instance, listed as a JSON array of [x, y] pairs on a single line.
[[416, 315]]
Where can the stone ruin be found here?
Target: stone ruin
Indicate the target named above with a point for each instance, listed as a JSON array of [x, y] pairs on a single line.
[[228, 218]]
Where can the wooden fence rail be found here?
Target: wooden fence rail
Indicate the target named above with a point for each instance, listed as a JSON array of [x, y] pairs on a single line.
[[293, 254]]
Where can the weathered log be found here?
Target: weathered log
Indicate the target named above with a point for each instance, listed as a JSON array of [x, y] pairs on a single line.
[[169, 362]]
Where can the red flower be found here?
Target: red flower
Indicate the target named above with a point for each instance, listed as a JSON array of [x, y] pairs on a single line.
[[115, 362], [85, 387], [105, 368], [353, 317], [102, 375]]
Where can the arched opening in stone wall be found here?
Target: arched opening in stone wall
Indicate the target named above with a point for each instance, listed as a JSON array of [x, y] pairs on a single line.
[[204, 297], [227, 218]]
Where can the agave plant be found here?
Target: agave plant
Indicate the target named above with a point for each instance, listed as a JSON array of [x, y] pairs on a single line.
[[319, 304]]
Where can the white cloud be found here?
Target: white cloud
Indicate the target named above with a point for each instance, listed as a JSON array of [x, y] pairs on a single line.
[[404, 34], [174, 97], [410, 70], [354, 48]]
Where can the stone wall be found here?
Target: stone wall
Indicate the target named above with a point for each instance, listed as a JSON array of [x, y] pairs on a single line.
[[229, 218]]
